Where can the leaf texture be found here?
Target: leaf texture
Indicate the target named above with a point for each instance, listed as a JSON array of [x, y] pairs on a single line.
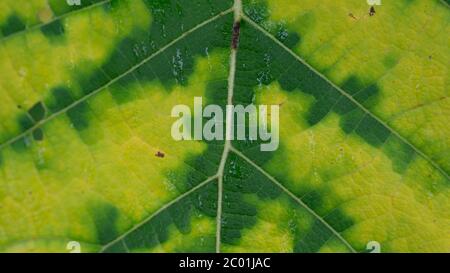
[[86, 153]]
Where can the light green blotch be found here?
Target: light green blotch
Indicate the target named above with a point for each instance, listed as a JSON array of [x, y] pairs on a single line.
[[201, 238], [277, 223]]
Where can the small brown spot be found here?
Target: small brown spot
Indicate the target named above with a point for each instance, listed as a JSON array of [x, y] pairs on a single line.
[[160, 154], [236, 33], [372, 11], [352, 16]]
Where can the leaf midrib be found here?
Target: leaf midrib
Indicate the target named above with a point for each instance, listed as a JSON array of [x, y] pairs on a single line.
[[228, 148]]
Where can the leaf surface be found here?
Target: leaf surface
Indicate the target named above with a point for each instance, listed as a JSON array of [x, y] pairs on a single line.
[[86, 152]]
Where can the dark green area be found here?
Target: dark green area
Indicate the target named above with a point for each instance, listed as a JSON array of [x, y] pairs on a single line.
[[241, 179], [12, 25], [25, 122], [37, 112], [21, 144], [53, 30], [258, 12], [401, 154], [78, 116], [339, 220], [60, 98], [155, 231], [311, 242], [38, 134], [111, 5], [104, 216]]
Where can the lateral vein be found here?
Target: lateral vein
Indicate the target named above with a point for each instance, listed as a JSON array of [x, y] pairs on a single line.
[[340, 90], [293, 196], [159, 211], [132, 69]]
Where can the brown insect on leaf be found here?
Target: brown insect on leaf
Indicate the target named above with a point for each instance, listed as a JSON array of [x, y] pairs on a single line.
[[372, 11], [160, 154]]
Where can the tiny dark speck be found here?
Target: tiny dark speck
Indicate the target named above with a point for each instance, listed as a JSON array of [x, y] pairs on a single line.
[[160, 154], [372, 11], [236, 32], [352, 16]]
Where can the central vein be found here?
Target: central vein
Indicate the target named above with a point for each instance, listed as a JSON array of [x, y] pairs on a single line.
[[227, 147]]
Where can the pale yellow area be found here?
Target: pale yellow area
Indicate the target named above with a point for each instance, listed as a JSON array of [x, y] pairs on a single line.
[[202, 229], [334, 245], [273, 229]]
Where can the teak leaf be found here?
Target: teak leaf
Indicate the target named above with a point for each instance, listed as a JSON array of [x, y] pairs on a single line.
[[86, 152]]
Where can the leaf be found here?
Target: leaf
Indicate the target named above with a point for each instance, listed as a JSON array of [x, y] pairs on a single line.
[[86, 152]]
